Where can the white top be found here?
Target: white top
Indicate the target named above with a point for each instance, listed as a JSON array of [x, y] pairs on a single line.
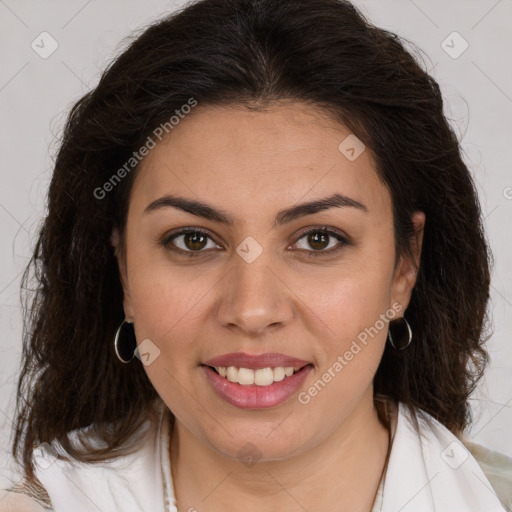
[[434, 472]]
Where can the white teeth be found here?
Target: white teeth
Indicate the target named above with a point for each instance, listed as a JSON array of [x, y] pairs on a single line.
[[245, 376], [263, 376], [232, 374], [278, 374], [260, 377]]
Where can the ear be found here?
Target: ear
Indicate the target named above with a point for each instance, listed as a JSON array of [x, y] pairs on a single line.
[[406, 272], [115, 241]]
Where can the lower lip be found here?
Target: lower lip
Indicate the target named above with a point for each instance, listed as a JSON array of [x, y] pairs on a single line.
[[253, 396]]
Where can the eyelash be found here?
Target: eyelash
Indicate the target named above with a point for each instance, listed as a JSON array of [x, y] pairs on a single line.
[[166, 241]]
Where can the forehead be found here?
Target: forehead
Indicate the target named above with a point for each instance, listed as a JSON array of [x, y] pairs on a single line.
[[251, 160]]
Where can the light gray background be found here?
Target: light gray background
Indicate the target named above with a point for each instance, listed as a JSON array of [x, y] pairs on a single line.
[[35, 94]]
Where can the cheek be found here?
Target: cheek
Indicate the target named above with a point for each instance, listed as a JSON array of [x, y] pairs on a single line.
[[353, 297], [353, 316], [352, 313], [167, 302], [353, 328], [165, 305]]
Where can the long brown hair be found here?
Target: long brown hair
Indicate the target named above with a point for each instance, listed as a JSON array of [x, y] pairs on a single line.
[[248, 53]]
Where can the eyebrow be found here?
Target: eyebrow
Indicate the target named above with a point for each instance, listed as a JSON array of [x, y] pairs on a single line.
[[201, 209]]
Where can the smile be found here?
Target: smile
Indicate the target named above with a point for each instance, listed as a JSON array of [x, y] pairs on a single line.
[[247, 388], [260, 377]]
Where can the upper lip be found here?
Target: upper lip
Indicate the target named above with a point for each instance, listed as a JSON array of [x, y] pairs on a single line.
[[243, 360]]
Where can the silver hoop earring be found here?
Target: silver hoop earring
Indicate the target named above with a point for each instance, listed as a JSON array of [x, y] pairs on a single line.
[[125, 348], [401, 331]]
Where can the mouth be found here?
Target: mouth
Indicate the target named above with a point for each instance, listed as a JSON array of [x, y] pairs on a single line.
[[259, 377], [261, 388]]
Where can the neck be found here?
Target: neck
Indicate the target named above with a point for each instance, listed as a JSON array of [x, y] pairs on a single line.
[[345, 469]]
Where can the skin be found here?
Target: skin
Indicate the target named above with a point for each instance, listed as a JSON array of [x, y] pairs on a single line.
[[252, 165], [18, 502]]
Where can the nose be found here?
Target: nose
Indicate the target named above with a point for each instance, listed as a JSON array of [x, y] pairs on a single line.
[[254, 298]]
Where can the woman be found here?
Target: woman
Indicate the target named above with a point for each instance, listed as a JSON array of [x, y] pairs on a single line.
[[262, 279]]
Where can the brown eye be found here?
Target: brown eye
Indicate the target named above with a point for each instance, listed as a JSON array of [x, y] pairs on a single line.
[[322, 241], [318, 240], [194, 241], [188, 242]]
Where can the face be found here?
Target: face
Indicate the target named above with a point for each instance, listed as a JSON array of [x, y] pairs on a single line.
[[308, 284]]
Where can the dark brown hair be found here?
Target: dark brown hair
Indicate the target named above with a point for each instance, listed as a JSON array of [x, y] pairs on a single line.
[[248, 53]]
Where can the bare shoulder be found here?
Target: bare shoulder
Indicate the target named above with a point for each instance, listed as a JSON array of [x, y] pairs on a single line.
[[29, 496], [11, 501]]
